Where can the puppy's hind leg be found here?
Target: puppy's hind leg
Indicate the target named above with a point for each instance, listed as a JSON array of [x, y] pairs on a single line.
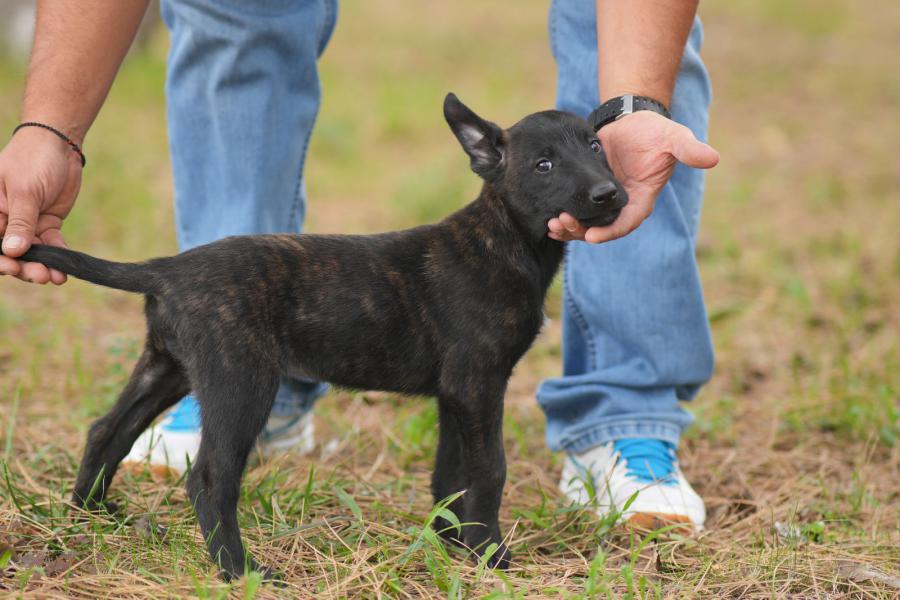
[[233, 411], [156, 383]]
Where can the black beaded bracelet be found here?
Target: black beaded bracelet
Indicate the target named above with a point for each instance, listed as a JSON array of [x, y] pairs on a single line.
[[59, 134]]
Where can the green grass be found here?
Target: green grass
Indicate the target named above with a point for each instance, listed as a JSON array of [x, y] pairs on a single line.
[[795, 445]]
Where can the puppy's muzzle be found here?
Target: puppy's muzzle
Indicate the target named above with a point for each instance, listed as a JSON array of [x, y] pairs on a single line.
[[608, 199], [605, 194]]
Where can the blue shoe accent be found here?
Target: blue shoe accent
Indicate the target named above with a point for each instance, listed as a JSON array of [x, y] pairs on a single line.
[[649, 460], [185, 417]]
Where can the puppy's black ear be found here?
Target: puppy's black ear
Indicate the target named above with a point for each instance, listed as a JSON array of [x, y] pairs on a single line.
[[482, 140]]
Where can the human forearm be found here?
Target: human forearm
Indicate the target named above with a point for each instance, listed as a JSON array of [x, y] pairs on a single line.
[[640, 44], [78, 47], [640, 47]]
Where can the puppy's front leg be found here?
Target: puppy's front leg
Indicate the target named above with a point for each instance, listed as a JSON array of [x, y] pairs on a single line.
[[476, 398], [450, 474]]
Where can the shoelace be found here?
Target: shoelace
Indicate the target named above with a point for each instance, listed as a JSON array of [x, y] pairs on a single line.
[[648, 460], [185, 417]]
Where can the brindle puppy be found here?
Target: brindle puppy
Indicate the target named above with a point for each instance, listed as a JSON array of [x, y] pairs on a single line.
[[443, 310]]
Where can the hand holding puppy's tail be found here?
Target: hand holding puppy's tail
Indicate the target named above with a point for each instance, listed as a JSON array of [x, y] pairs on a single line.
[[131, 277]]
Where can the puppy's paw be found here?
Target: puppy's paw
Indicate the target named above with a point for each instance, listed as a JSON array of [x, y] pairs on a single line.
[[92, 506], [266, 574], [500, 558], [272, 576], [447, 531]]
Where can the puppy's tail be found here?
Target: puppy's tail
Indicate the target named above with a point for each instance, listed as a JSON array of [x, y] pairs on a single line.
[[131, 277]]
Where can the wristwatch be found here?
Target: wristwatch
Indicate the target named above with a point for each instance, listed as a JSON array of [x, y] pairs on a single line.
[[616, 108]]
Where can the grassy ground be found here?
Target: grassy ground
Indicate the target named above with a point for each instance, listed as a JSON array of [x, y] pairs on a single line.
[[795, 448]]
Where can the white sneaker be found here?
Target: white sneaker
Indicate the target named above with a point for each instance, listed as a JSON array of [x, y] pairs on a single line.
[[288, 434], [643, 471], [172, 444]]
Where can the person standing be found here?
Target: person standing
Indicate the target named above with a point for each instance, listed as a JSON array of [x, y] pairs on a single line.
[[636, 338]]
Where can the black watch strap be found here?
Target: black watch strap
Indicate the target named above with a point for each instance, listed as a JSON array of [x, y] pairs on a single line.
[[616, 108]]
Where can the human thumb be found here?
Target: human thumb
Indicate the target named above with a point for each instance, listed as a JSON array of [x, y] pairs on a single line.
[[21, 221], [692, 152]]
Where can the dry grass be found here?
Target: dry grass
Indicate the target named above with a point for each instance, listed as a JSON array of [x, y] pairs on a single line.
[[795, 448]]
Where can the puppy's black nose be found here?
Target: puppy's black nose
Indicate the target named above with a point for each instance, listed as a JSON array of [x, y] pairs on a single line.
[[604, 193]]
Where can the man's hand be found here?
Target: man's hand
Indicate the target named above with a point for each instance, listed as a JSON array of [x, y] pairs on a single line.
[[39, 181], [642, 149], [78, 47]]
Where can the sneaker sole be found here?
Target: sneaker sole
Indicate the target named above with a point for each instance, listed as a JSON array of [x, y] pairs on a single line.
[[647, 522], [159, 473]]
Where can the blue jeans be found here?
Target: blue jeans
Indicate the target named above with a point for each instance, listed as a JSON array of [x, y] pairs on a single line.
[[636, 337], [242, 95]]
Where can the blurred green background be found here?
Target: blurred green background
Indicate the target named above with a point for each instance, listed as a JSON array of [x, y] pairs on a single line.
[[799, 243]]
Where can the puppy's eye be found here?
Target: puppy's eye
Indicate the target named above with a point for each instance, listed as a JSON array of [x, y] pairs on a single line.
[[543, 166], [596, 147]]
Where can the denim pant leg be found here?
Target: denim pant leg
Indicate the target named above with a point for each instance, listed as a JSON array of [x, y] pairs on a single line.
[[242, 95], [636, 337]]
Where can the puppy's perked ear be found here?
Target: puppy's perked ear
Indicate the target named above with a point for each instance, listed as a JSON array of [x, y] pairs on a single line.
[[482, 140]]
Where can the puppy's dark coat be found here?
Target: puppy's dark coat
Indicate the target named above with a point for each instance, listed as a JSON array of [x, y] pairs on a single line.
[[442, 310]]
